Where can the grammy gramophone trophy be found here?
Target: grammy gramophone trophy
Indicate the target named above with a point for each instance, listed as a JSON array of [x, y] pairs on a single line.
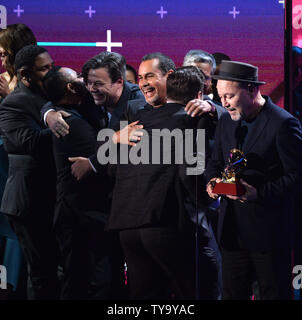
[[230, 184]]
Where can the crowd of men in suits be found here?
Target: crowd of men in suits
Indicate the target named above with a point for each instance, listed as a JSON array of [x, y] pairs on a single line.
[[68, 209]]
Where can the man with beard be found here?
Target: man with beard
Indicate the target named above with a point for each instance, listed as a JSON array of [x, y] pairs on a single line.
[[29, 194], [82, 206], [255, 228]]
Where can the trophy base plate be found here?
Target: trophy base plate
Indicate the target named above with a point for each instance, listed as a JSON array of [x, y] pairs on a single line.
[[231, 189]]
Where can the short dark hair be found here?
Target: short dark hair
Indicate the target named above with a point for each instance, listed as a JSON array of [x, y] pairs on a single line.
[[184, 84], [165, 63], [219, 56], [130, 68], [114, 62], [54, 84], [26, 57]]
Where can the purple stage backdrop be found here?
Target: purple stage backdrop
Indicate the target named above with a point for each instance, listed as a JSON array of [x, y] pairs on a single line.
[[246, 30]]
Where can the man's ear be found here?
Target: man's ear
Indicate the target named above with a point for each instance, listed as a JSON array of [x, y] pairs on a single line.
[[169, 72], [24, 74], [71, 88], [120, 81], [251, 89], [200, 95]]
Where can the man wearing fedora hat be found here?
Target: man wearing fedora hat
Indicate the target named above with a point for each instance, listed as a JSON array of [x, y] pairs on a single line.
[[255, 229]]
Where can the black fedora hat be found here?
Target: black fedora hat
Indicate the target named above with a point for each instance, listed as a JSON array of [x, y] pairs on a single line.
[[238, 71]]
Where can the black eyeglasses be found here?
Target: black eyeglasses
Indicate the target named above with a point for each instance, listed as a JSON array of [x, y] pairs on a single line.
[[3, 54]]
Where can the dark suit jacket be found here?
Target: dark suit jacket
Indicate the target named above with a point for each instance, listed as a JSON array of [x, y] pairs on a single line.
[[88, 196], [154, 194], [30, 188], [93, 114], [274, 156], [130, 92], [206, 122]]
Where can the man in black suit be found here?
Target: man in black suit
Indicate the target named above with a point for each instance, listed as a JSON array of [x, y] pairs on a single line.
[[82, 207], [255, 229], [151, 205], [104, 76], [29, 194]]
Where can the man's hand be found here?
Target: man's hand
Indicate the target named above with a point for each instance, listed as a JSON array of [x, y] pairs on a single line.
[[210, 187], [4, 89], [249, 195], [197, 107], [128, 135], [80, 168], [56, 123]]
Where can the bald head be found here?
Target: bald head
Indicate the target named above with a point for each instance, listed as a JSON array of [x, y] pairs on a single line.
[[68, 73]]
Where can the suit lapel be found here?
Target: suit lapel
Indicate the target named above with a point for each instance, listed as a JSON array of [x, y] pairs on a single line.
[[254, 136], [35, 107], [230, 133], [120, 108]]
